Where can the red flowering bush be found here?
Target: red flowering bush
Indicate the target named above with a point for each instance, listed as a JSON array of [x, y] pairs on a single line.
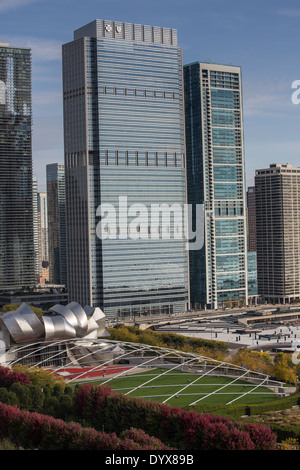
[[261, 435], [219, 436], [37, 431], [179, 428], [8, 377], [146, 442]]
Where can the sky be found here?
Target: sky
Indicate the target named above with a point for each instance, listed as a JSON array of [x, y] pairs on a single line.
[[260, 36]]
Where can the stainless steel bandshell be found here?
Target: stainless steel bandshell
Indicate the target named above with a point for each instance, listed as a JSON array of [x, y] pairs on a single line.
[[70, 321]]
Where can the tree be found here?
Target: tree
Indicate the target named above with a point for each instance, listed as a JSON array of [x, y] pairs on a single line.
[[12, 307], [40, 376], [284, 369], [23, 393], [253, 360], [8, 397]]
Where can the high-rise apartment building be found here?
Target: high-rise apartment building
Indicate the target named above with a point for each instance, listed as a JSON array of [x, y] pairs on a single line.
[[215, 178], [16, 193], [277, 193], [35, 229], [251, 240], [251, 218], [43, 238], [56, 210], [124, 138]]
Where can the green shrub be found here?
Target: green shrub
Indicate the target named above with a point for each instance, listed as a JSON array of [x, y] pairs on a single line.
[[8, 397], [7, 444], [22, 391], [51, 407], [286, 431]]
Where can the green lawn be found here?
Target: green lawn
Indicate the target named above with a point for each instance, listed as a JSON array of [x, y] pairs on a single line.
[[187, 388]]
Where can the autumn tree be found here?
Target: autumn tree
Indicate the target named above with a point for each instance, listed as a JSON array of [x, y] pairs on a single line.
[[12, 307], [40, 376], [253, 360], [284, 369]]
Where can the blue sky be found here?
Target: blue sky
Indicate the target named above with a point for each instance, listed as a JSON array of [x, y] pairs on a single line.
[[261, 36]]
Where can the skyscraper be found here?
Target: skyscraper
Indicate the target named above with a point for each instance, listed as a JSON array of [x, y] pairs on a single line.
[[124, 138], [215, 178], [277, 192], [56, 210], [35, 229], [251, 218], [16, 193], [43, 238], [251, 238]]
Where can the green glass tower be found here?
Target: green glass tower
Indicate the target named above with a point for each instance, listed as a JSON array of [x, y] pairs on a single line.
[[216, 178]]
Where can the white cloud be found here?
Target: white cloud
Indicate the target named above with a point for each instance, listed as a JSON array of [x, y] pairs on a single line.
[[264, 99], [6, 5], [43, 49], [288, 12]]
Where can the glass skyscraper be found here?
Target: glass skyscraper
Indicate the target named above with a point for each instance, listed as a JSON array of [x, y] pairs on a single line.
[[56, 215], [124, 138], [16, 190], [215, 178]]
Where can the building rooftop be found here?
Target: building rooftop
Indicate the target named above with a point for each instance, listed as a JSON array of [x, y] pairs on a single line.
[[277, 168]]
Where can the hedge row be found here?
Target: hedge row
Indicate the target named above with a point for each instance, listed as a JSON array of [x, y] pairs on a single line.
[[36, 431], [251, 409], [176, 427], [286, 431]]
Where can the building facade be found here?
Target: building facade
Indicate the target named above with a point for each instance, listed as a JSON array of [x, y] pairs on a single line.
[[16, 192], [252, 277], [56, 211], [43, 238], [36, 229], [124, 138], [251, 218], [277, 192], [216, 179]]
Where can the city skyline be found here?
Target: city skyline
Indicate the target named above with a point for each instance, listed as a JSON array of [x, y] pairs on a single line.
[[255, 37]]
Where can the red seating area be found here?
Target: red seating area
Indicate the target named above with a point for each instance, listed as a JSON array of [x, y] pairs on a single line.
[[84, 372]]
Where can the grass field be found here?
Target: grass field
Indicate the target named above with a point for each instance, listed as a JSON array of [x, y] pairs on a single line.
[[186, 388]]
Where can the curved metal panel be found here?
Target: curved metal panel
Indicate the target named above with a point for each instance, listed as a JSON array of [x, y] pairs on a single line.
[[57, 327], [96, 321], [23, 325], [11, 322], [66, 313], [32, 319], [82, 321]]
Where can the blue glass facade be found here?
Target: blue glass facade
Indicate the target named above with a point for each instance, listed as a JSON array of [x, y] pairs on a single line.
[[56, 212], [124, 137], [215, 178], [252, 273], [17, 268]]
